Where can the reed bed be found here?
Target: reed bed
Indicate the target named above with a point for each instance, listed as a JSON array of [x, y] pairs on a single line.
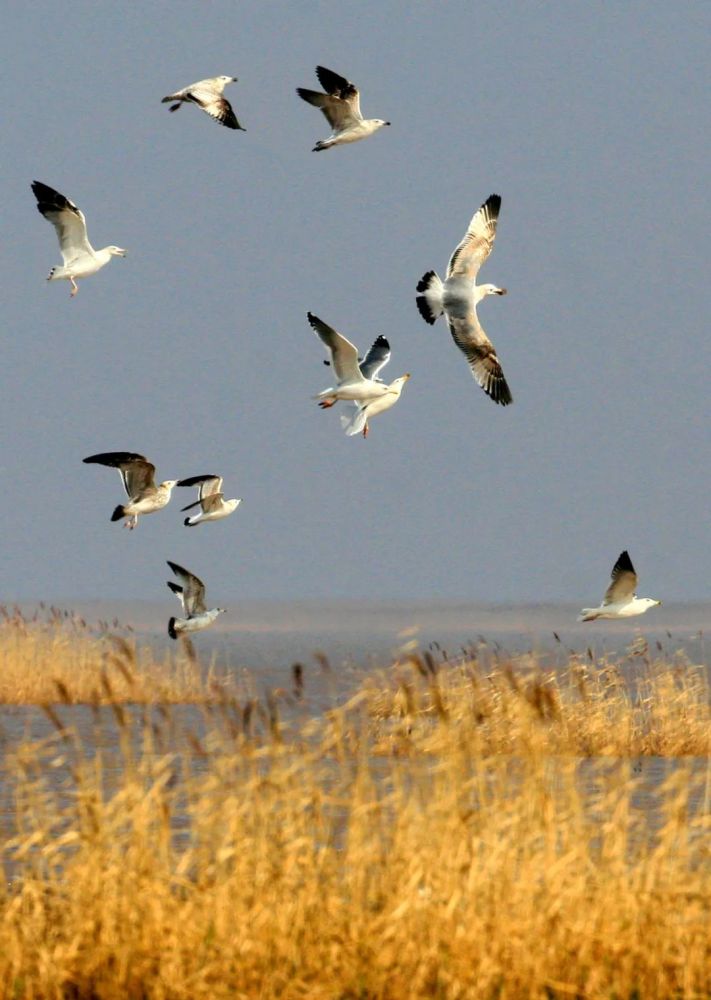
[[633, 706], [483, 828], [304, 866], [56, 656]]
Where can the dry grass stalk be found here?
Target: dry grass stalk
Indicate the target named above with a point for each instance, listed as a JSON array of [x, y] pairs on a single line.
[[311, 871]]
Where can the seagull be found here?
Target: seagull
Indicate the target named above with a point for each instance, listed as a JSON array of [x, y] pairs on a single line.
[[191, 594], [359, 420], [458, 296], [210, 498], [620, 600], [137, 476], [80, 258], [353, 383], [341, 106], [207, 94]]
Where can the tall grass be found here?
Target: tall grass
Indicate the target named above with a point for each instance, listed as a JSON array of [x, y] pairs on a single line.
[[266, 866], [56, 656], [449, 832]]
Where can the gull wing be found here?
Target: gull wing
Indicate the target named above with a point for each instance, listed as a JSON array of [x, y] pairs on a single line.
[[337, 86], [341, 102], [476, 347], [208, 488], [137, 473], [376, 358], [624, 581], [193, 590], [207, 94], [478, 240], [67, 219], [206, 484], [177, 590], [344, 355]]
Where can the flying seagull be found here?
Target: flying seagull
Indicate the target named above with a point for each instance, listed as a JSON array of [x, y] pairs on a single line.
[[359, 421], [210, 498], [356, 377], [80, 258], [207, 94], [620, 600], [191, 594], [341, 106], [137, 476], [457, 298]]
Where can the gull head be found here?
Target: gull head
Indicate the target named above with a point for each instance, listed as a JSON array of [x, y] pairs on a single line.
[[233, 504], [378, 122], [648, 602], [399, 382], [117, 251], [168, 484], [493, 290], [227, 79]]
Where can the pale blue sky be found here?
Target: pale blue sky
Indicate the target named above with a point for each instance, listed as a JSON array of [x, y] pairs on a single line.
[[590, 120]]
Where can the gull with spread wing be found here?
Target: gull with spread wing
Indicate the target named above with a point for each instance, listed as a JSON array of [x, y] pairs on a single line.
[[208, 96], [80, 258], [191, 594], [457, 297], [341, 107], [620, 600], [138, 478], [210, 499]]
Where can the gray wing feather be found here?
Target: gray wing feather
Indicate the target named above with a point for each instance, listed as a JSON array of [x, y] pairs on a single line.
[[344, 355], [193, 590], [478, 239], [376, 358], [624, 581]]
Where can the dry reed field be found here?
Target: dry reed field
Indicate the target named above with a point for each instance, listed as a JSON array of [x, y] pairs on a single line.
[[479, 829]]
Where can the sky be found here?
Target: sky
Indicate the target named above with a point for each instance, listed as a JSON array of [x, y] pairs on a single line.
[[591, 122]]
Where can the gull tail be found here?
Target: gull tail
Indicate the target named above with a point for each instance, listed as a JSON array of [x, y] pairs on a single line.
[[118, 513], [169, 98], [171, 629], [355, 423], [430, 302]]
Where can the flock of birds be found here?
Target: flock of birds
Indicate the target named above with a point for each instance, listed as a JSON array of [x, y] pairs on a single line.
[[358, 382]]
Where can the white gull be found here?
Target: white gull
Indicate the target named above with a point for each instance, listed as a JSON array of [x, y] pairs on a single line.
[[620, 600], [80, 258], [457, 297], [341, 106]]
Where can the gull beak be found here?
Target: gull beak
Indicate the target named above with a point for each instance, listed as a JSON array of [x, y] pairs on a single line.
[[387, 123], [658, 603], [234, 79], [501, 291]]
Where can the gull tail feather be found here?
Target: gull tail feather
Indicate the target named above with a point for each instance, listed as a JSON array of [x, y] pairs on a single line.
[[430, 301], [355, 423]]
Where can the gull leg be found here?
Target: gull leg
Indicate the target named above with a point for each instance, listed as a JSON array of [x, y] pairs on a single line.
[[325, 403], [75, 287], [365, 430]]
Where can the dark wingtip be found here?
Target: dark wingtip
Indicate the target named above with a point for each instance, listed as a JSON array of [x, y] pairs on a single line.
[[187, 523], [624, 563], [118, 513], [171, 629]]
